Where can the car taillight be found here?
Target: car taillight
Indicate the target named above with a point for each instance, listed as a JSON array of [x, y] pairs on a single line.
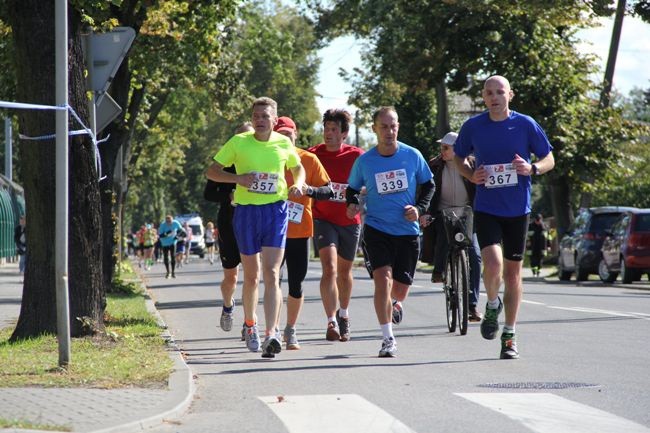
[[589, 236]]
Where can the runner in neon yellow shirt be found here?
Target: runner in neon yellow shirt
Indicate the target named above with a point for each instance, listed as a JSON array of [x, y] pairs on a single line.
[[260, 220]]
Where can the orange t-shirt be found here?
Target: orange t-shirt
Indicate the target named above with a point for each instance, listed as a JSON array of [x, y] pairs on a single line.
[[315, 176]]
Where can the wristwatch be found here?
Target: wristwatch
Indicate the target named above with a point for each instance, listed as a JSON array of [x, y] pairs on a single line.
[[310, 191], [534, 169]]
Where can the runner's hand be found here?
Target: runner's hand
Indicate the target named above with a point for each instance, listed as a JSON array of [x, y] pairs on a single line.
[[522, 166], [246, 179], [352, 210], [479, 176], [411, 213]]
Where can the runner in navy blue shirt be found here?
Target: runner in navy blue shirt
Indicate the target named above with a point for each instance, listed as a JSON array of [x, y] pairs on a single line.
[[503, 143]]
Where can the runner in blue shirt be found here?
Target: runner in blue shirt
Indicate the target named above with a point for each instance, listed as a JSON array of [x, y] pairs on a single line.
[[503, 142], [167, 233], [391, 172]]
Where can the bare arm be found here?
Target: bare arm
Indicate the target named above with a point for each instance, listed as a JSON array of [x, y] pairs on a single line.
[[477, 176], [217, 173], [298, 173]]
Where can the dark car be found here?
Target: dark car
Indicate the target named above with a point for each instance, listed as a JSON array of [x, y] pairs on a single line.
[[579, 249], [626, 248]]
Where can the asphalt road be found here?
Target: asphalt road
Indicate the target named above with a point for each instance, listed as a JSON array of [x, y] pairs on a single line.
[[583, 368]]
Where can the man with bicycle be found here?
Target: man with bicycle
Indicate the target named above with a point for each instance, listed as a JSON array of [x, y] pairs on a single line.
[[391, 172], [502, 141], [452, 190]]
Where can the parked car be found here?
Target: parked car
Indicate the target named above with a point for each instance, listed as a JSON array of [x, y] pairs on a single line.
[[626, 248], [579, 249], [197, 245]]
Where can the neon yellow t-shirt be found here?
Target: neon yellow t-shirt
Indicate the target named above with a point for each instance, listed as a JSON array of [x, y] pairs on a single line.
[[267, 158]]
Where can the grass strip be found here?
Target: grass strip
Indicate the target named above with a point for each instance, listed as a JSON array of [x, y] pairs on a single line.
[[130, 352]]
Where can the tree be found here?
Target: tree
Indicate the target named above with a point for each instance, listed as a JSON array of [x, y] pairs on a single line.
[[33, 38], [416, 45], [199, 117]]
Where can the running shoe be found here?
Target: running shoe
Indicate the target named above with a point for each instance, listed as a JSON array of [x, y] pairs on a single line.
[[490, 323], [243, 332], [333, 333], [271, 346], [252, 338], [290, 338], [168, 275], [344, 327], [398, 312], [227, 317], [388, 348], [173, 275], [509, 346]]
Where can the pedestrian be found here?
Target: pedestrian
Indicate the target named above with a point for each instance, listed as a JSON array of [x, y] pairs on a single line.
[[301, 227], [168, 232], [392, 172], [189, 234], [261, 218], [140, 237], [210, 237], [452, 190], [20, 239], [335, 235], [503, 142], [538, 235], [150, 237]]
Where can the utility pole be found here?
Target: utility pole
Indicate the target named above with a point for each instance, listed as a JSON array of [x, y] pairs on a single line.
[[356, 128], [613, 52], [61, 214]]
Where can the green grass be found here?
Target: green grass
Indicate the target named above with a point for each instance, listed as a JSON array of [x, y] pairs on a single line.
[[130, 352], [16, 423]]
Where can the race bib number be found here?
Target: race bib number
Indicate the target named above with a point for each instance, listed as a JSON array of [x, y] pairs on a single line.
[[295, 211], [339, 191], [389, 182], [264, 183], [501, 175]]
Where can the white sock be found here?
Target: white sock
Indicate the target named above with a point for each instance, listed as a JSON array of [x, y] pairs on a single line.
[[343, 312], [387, 330], [493, 304], [331, 319], [508, 329]]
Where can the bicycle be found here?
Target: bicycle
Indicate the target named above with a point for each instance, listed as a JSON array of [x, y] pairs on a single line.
[[458, 223]]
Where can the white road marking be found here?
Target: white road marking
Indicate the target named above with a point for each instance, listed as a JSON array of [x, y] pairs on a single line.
[[636, 315], [345, 413], [532, 302], [548, 413]]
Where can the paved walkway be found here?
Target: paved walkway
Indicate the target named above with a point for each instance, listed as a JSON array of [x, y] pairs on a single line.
[[87, 409]]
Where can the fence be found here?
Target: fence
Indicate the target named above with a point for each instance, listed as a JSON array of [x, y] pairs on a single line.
[[12, 206]]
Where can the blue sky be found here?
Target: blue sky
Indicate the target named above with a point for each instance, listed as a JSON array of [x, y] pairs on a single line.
[[632, 66]]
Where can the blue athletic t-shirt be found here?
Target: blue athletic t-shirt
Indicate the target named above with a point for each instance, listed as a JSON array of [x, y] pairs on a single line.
[[167, 232], [496, 144], [391, 183]]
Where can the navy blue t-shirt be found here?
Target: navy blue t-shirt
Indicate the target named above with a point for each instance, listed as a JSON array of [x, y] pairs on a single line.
[[494, 145]]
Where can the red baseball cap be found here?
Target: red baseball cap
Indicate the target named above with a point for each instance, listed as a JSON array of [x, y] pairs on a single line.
[[285, 123]]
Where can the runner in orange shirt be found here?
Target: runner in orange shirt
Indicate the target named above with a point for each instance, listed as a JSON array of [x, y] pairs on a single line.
[[301, 227]]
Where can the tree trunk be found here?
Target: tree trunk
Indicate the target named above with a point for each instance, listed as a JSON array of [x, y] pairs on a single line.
[[562, 204], [33, 30]]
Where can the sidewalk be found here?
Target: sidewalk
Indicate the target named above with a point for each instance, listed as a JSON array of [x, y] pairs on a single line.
[[89, 410]]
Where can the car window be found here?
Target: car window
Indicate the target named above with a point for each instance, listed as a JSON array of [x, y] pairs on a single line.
[[621, 227], [642, 223], [196, 230], [580, 222], [602, 222]]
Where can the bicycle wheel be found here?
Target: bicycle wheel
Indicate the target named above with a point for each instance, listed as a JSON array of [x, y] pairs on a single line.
[[450, 296], [462, 289]]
